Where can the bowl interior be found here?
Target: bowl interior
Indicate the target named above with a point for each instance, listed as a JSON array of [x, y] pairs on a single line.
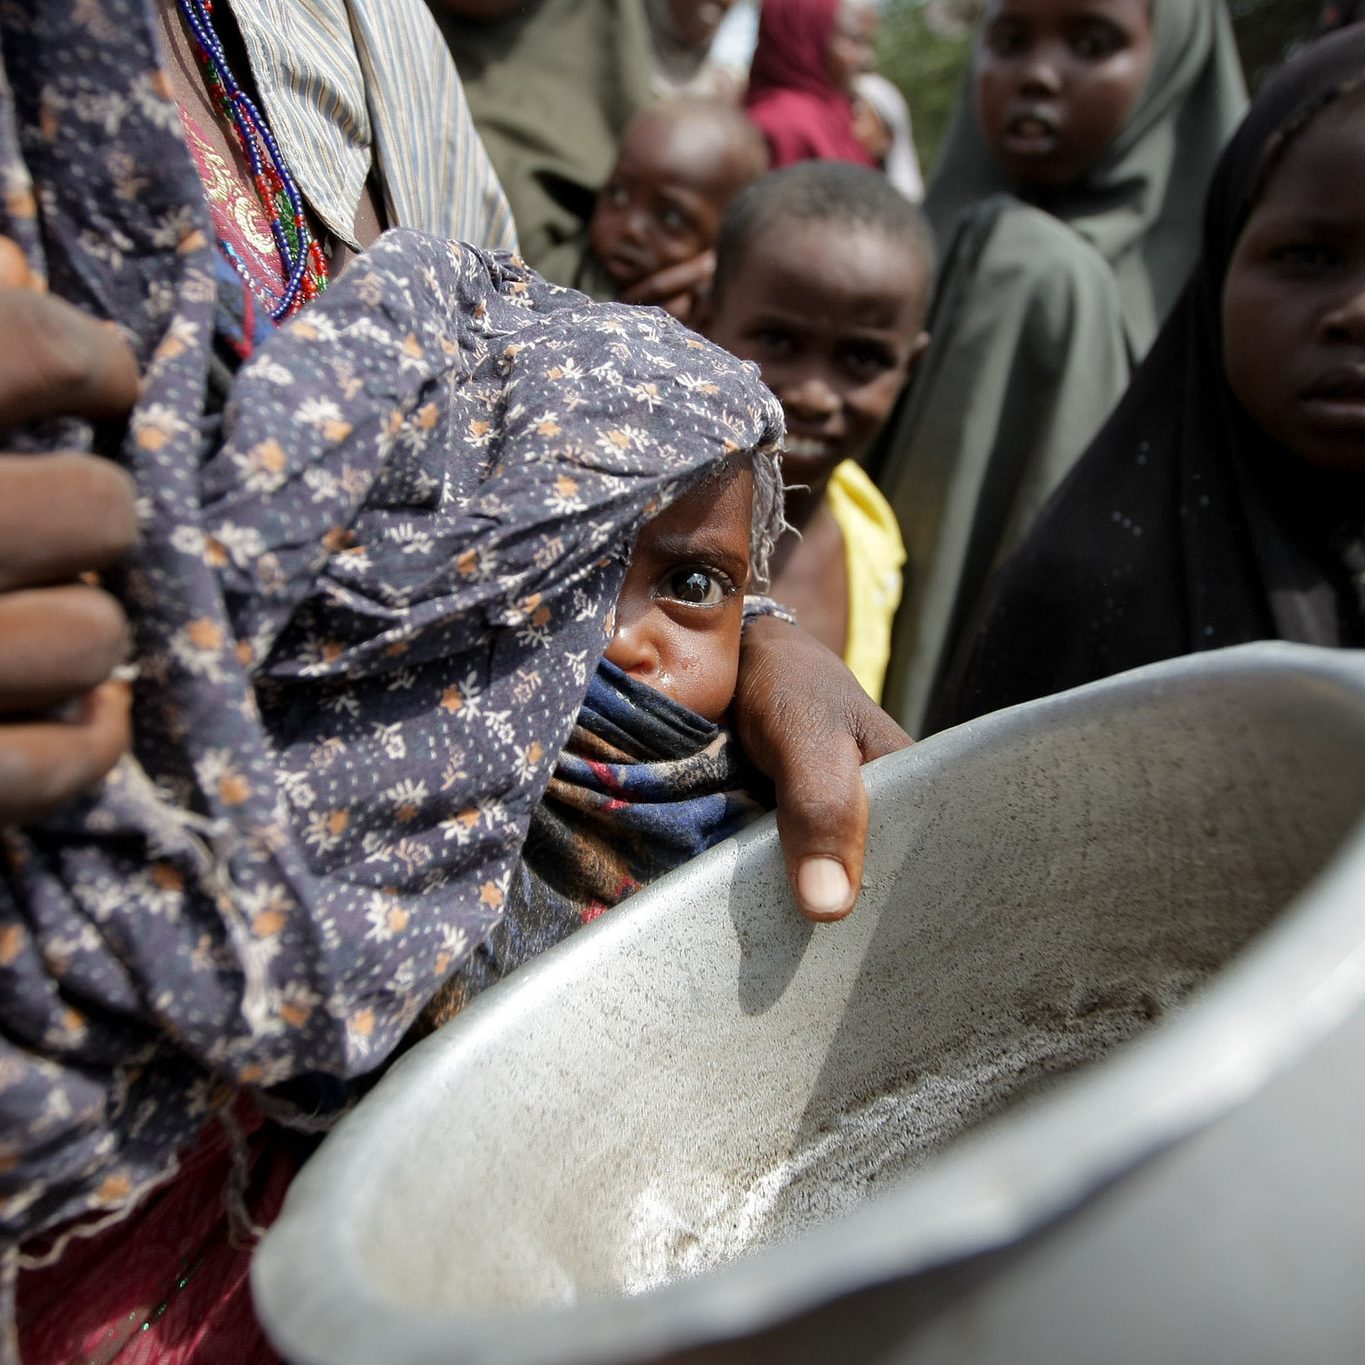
[[701, 1073]]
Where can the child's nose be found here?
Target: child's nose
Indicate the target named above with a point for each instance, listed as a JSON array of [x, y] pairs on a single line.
[[1345, 320], [811, 396], [1040, 76], [633, 649], [635, 226]]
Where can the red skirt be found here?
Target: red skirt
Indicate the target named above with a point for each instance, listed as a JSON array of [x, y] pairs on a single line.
[[168, 1285]]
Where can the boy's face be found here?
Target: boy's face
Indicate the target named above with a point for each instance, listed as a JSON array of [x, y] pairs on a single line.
[[662, 205], [681, 608], [1055, 80], [831, 313], [1294, 297]]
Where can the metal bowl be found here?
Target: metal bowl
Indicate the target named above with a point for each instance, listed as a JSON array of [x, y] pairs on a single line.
[[1079, 1081]]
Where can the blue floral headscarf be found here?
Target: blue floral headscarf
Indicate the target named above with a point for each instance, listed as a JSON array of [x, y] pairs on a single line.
[[370, 591]]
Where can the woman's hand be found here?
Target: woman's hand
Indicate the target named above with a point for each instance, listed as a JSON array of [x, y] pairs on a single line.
[[804, 721], [63, 723]]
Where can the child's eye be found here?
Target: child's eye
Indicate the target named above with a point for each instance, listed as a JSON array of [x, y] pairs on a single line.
[[1098, 40], [674, 220], [866, 362], [696, 586], [774, 340], [1005, 38], [615, 195], [1303, 256]]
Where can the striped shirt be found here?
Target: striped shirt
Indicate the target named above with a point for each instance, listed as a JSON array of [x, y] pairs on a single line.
[[351, 83]]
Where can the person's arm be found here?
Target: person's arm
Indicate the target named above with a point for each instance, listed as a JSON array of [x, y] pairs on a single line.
[[808, 725], [63, 723]]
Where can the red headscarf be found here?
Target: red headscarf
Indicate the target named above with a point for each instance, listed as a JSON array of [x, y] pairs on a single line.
[[802, 113]]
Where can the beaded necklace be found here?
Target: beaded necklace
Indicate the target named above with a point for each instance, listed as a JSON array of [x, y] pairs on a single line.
[[305, 267]]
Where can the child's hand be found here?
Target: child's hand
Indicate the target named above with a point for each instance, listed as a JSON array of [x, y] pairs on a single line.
[[682, 289], [805, 722], [63, 724]]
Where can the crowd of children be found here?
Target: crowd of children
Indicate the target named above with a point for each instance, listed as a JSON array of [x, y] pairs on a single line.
[[461, 605], [1066, 205], [1224, 500]]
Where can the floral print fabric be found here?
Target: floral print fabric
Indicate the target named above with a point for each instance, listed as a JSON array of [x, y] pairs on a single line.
[[369, 595]]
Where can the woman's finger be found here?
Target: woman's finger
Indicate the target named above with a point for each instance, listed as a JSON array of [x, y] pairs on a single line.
[[57, 644], [807, 723], [45, 763], [14, 271], [61, 515], [56, 361]]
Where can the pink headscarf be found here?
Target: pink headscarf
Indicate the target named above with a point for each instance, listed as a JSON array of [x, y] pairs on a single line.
[[802, 113]]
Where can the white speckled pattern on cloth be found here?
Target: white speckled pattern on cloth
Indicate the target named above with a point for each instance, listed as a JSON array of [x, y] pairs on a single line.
[[367, 600]]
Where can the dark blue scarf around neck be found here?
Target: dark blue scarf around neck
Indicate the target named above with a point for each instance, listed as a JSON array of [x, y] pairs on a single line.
[[642, 786]]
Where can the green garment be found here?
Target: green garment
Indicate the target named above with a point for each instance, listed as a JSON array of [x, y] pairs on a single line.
[[577, 267], [590, 275], [551, 88], [1038, 319]]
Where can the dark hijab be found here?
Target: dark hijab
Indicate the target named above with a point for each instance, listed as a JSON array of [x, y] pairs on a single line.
[[1183, 527]]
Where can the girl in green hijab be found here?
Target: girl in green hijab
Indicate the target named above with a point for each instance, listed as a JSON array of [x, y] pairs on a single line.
[[1068, 198]]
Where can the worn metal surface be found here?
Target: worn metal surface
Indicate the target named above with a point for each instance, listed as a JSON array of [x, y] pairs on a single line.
[[703, 1130]]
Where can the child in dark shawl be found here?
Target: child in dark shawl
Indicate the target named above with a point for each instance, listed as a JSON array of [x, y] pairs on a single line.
[[651, 775], [1225, 499], [1067, 203], [807, 55]]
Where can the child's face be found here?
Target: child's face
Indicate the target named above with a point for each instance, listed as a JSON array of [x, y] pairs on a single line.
[[831, 313], [1055, 81], [663, 203], [853, 44], [1294, 297], [681, 608]]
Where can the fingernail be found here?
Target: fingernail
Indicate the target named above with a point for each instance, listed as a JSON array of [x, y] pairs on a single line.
[[822, 887]]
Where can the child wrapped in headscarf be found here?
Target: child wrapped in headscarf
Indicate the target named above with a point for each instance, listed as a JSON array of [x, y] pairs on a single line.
[[379, 549], [651, 775]]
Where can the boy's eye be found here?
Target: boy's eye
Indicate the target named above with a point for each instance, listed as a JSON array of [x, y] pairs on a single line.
[[615, 195], [866, 361], [674, 220], [1005, 38], [1096, 40], [774, 340], [696, 586]]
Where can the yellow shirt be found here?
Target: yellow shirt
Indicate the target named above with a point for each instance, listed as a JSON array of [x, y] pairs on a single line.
[[875, 554]]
